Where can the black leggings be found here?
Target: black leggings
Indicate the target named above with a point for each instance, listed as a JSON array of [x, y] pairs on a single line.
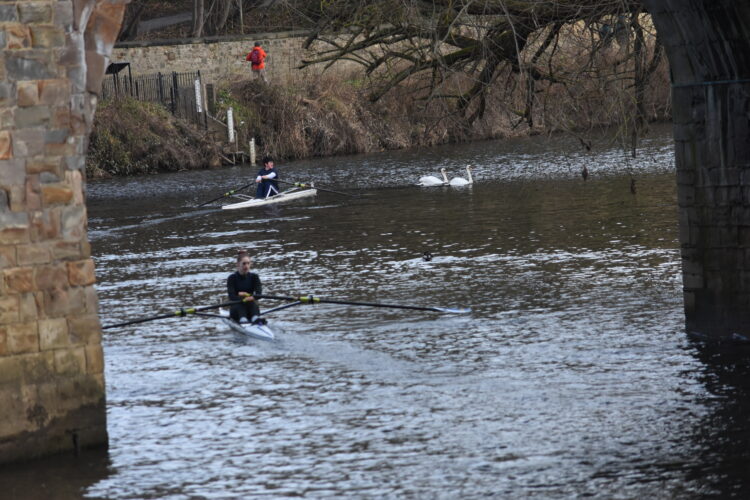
[[244, 309]]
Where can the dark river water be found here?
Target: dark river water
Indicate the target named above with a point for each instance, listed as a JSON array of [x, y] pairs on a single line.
[[572, 377]]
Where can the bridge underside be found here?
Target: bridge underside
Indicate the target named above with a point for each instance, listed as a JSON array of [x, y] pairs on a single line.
[[708, 45]]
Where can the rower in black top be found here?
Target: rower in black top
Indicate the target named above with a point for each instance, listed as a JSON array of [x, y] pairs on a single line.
[[242, 285], [267, 179]]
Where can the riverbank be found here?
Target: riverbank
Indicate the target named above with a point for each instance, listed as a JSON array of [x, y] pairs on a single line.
[[327, 116]]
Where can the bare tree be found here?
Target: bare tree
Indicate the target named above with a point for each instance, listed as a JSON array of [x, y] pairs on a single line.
[[461, 51]]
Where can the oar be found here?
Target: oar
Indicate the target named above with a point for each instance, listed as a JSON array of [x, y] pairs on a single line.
[[179, 312], [309, 299], [279, 308], [228, 193], [301, 185]]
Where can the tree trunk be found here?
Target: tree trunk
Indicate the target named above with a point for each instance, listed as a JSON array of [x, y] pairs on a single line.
[[198, 18]]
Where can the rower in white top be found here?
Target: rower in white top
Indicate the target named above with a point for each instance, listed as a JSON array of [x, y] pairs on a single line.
[[431, 180], [460, 181]]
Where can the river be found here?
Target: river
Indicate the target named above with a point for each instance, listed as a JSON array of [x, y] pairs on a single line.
[[571, 377]]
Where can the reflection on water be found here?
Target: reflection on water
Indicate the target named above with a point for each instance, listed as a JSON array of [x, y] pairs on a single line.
[[571, 377]]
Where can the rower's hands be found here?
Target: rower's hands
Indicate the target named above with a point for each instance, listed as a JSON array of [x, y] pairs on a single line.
[[246, 297]]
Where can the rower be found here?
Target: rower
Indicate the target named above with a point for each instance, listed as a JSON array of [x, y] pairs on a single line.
[[267, 179], [242, 285]]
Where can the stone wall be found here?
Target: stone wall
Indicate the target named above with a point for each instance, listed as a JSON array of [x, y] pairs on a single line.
[[708, 45], [220, 59], [52, 58]]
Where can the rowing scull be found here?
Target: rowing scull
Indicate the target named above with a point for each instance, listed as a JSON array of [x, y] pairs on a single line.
[[249, 201]]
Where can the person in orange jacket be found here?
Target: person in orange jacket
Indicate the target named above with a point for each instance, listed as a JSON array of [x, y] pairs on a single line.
[[257, 59]]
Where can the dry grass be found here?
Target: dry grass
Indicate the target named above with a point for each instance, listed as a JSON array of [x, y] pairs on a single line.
[[132, 137]]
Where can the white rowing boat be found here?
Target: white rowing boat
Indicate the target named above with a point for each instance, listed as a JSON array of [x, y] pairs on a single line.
[[291, 194], [256, 331]]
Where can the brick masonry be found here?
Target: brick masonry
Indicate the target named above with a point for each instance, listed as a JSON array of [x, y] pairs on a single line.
[[53, 55], [708, 45]]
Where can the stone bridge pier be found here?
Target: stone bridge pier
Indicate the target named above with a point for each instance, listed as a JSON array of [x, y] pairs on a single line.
[[52, 59], [708, 45]]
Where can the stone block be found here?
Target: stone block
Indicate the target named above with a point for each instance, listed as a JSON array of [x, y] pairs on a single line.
[[81, 272], [54, 92], [33, 194], [38, 367], [34, 12], [12, 172], [38, 165], [53, 333], [73, 221], [19, 279], [48, 178], [70, 362], [18, 36], [22, 337], [6, 145], [50, 277], [32, 254], [63, 119], [92, 300], [10, 372], [27, 93], [72, 392], [75, 163], [84, 329], [15, 234], [66, 250], [56, 302], [48, 36], [8, 13], [27, 307], [29, 65], [56, 194], [63, 15], [34, 116], [7, 91], [17, 198], [8, 309], [94, 359], [59, 149], [56, 136], [3, 342], [28, 143], [7, 256], [45, 225], [75, 179]]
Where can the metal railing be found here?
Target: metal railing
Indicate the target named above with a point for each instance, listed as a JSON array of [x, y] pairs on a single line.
[[175, 91]]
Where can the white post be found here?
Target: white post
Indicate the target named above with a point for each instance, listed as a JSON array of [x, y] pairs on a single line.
[[198, 100], [230, 125], [252, 151]]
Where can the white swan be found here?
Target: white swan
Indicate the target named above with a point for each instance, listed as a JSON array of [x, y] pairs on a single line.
[[431, 180], [460, 181]]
